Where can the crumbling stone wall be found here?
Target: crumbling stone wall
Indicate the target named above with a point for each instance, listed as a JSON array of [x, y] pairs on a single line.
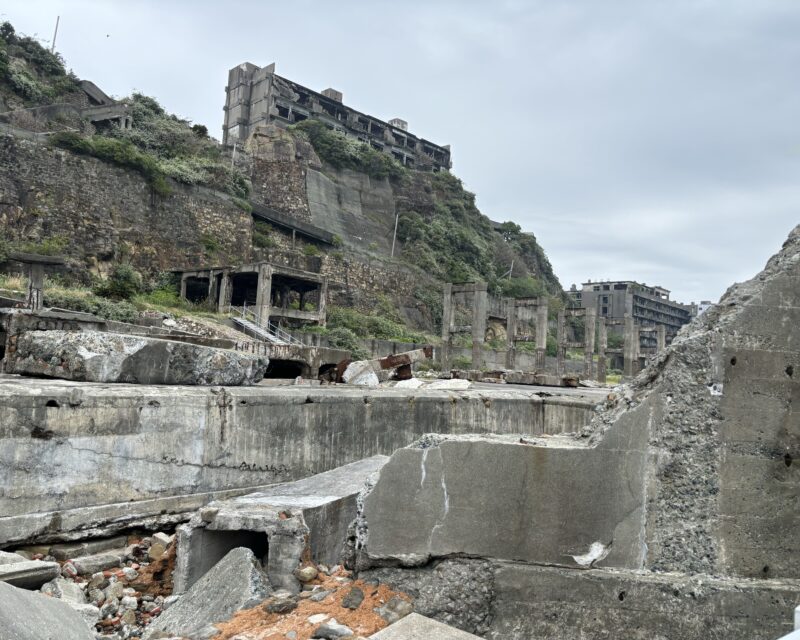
[[105, 212]]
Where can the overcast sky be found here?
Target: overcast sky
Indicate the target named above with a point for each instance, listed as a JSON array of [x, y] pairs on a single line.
[[646, 140]]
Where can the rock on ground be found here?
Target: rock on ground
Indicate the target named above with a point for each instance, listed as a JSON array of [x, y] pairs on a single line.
[[236, 582], [94, 356], [26, 615], [28, 574], [417, 627]]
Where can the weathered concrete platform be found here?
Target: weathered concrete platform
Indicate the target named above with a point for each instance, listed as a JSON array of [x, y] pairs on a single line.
[[278, 523], [79, 459]]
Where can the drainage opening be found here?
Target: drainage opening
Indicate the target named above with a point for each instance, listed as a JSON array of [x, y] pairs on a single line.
[[209, 547], [621, 596], [790, 371], [787, 459], [52, 403], [733, 361]]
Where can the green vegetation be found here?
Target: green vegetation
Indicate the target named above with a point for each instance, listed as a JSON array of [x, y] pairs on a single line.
[[452, 241], [342, 152], [210, 242], [310, 250], [119, 152], [123, 283], [374, 325], [343, 338], [181, 151], [262, 235], [57, 294], [30, 71]]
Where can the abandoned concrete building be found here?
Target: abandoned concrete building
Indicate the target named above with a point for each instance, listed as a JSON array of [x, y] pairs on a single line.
[[648, 306], [258, 96], [272, 294]]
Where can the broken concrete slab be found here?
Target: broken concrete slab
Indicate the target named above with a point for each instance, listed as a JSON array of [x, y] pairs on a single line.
[[95, 356], [236, 582], [29, 574], [277, 523], [417, 627], [11, 558], [397, 366], [26, 615], [67, 550], [87, 565], [504, 497]]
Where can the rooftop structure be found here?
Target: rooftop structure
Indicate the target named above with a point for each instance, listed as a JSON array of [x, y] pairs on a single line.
[[649, 306], [258, 96]]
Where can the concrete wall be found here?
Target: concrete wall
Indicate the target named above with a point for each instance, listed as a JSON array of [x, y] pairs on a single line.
[[66, 447]]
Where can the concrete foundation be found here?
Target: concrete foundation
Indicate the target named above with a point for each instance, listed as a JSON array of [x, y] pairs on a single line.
[[122, 454]]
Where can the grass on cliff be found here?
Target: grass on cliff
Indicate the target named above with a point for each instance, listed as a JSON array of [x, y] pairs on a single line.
[[30, 72], [342, 152], [446, 235], [161, 146]]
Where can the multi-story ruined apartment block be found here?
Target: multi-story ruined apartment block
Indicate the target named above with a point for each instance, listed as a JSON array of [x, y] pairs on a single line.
[[257, 96], [648, 306]]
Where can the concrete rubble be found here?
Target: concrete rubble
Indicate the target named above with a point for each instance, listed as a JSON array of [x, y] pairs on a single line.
[[94, 356], [370, 373], [20, 572], [236, 582], [284, 522], [27, 615]]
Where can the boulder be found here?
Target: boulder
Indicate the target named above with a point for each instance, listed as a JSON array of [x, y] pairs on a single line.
[[66, 590], [417, 627], [26, 615], [94, 356], [236, 582]]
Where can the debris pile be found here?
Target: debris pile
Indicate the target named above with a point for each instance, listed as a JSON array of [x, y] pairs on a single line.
[[330, 605], [117, 585]]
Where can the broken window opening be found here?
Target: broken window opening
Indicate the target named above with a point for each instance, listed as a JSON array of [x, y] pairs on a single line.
[[244, 289], [196, 289]]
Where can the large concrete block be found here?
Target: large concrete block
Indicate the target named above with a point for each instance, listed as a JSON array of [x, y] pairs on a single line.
[[277, 524], [26, 615], [552, 502], [28, 574], [236, 582], [417, 627], [94, 356], [533, 603]]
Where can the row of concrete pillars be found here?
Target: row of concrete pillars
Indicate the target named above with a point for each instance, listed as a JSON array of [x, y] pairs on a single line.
[[595, 338]]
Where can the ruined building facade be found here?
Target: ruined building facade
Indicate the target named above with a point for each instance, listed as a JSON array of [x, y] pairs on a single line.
[[648, 306], [258, 96]]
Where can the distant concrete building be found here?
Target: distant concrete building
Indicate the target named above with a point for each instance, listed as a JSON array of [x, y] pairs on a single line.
[[648, 306], [258, 96]]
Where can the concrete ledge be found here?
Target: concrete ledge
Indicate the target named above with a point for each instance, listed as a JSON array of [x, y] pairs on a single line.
[[124, 452]]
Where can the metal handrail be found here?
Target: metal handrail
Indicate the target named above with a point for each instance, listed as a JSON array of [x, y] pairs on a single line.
[[271, 328]]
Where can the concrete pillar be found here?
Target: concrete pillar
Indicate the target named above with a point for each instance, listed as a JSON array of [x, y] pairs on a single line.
[[627, 346], [184, 278], [661, 338], [511, 333], [561, 337], [541, 334], [35, 286], [479, 310], [602, 345], [323, 302], [225, 291], [447, 324], [212, 286], [263, 294], [590, 320]]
